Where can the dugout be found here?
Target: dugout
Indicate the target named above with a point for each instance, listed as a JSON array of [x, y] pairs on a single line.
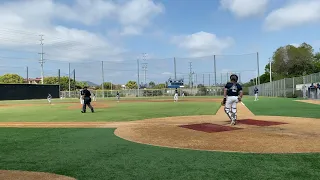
[[27, 91]]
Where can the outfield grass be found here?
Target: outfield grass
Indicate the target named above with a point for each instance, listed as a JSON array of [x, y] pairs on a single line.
[[282, 107], [95, 154], [123, 111]]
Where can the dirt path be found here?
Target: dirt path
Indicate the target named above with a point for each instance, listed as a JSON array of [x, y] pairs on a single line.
[[27, 175], [310, 101]]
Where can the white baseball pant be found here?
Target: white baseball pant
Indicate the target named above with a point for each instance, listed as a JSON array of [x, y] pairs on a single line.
[[175, 97], [231, 107]]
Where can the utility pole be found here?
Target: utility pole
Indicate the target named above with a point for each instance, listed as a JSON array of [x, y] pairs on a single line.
[[41, 57], [209, 80], [190, 74]]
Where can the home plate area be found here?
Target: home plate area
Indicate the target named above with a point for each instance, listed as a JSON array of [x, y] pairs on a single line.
[[251, 134]]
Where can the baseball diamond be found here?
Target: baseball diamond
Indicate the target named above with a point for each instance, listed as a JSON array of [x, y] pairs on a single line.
[[162, 129]]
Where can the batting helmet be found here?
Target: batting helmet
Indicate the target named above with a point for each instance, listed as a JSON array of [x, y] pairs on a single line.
[[234, 77]]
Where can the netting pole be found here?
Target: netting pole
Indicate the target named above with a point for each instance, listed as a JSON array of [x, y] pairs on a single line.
[[59, 80], [215, 70], [209, 80], [138, 78], [69, 82], [74, 82], [293, 86], [175, 68], [102, 73], [27, 75], [258, 67], [203, 79]]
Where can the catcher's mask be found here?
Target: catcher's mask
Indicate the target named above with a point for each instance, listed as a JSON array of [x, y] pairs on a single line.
[[234, 78]]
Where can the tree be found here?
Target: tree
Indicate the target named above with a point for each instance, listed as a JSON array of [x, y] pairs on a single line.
[[64, 82], [160, 86], [290, 61], [132, 85], [11, 78], [107, 85], [152, 84], [81, 84]]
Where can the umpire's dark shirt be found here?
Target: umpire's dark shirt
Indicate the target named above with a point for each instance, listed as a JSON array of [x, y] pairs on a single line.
[[86, 93]]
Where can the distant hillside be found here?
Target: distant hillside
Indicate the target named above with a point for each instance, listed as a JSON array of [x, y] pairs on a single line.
[[91, 83]]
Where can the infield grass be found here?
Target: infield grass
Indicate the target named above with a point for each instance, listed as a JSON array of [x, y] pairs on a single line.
[[122, 111]]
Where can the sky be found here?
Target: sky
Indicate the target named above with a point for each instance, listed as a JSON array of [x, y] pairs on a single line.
[[119, 32]]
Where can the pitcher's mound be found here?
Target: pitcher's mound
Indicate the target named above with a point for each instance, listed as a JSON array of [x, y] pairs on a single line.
[[27, 175]]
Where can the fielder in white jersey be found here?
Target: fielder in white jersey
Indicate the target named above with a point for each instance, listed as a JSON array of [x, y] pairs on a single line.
[[81, 97], [94, 97], [175, 97], [256, 94], [49, 98], [232, 95]]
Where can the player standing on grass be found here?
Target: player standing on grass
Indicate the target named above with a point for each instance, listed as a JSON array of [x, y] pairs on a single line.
[[81, 97], [49, 98], [94, 97], [232, 95], [175, 97], [118, 96], [86, 100], [256, 94]]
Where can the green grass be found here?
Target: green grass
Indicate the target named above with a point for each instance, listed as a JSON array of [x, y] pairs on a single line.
[[123, 111], [282, 107], [95, 154]]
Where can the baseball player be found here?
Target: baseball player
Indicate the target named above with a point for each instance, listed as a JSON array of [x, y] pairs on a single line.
[[49, 98], [232, 95], [118, 96], [86, 100], [256, 94], [175, 97], [81, 97], [182, 94], [94, 97]]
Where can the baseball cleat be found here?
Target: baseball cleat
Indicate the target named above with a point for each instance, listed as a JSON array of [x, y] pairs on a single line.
[[233, 122]]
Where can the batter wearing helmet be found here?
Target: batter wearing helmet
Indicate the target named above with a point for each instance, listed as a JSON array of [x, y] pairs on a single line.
[[232, 95]]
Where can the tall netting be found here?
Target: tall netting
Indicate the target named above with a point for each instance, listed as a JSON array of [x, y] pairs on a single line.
[[215, 70]]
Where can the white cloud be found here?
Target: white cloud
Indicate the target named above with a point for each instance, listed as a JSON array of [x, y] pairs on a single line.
[[245, 8], [20, 29], [166, 73], [294, 14], [295, 44], [203, 43]]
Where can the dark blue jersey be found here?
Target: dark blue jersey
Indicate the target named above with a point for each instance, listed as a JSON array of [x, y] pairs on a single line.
[[233, 89], [86, 93], [117, 94], [81, 92], [256, 90], [176, 91]]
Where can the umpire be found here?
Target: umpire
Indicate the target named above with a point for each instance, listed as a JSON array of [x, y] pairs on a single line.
[[87, 100]]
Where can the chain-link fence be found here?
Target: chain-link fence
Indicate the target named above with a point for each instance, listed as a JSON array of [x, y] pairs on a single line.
[[288, 87]]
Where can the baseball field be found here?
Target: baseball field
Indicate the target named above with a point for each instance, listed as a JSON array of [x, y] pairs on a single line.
[[140, 138]]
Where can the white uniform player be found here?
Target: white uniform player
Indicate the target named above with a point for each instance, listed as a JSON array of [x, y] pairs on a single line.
[[94, 97], [256, 91], [232, 95], [81, 97], [175, 97], [49, 98]]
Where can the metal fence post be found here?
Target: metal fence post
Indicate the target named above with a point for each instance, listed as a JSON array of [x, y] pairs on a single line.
[[293, 88]]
